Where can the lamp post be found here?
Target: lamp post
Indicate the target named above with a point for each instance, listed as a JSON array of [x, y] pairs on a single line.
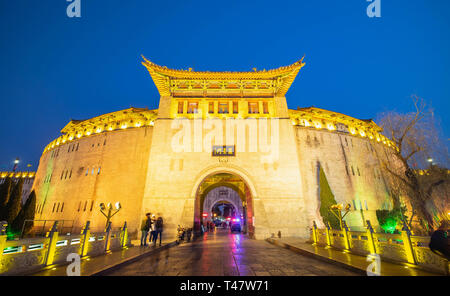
[[430, 161], [107, 211], [16, 163], [336, 210]]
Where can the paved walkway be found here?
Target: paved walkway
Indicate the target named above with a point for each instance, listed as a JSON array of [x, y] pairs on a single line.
[[351, 261], [93, 265], [225, 254]]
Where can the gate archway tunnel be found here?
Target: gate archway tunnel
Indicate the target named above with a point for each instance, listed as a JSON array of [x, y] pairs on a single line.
[[224, 188]]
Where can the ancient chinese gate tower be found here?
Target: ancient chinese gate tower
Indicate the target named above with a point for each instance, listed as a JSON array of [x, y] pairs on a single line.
[[215, 130]]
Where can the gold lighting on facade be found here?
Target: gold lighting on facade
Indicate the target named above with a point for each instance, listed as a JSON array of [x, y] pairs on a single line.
[[17, 174], [338, 122], [105, 123]]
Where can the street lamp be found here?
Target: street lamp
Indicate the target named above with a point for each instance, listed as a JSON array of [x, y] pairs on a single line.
[[336, 210], [109, 209], [16, 163]]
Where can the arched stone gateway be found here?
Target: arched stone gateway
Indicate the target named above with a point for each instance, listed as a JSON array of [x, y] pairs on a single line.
[[237, 190], [221, 194]]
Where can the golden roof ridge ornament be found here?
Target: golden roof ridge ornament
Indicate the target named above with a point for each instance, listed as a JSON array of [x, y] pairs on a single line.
[[274, 82]]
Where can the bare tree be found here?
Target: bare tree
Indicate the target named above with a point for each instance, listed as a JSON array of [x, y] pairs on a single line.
[[417, 137]]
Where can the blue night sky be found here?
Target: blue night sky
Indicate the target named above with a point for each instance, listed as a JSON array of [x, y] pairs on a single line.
[[54, 68]]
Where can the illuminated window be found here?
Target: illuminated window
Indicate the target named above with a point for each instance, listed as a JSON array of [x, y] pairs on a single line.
[[253, 107], [192, 107], [180, 107], [223, 108], [235, 108], [211, 108], [266, 107]]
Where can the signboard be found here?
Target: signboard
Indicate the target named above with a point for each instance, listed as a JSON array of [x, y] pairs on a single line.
[[223, 151]]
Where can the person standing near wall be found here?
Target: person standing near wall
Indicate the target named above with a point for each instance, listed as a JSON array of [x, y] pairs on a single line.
[[145, 227], [158, 230], [152, 228]]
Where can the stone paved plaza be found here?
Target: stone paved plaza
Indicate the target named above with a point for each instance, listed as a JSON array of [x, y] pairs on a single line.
[[222, 253]]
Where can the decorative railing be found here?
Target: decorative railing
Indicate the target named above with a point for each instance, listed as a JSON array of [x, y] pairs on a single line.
[[397, 248], [23, 256]]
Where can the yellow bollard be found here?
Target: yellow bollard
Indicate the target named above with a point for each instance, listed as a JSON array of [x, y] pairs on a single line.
[[85, 235], [407, 244], [327, 230], [314, 233], [2, 245], [124, 235], [53, 238], [346, 238], [370, 240]]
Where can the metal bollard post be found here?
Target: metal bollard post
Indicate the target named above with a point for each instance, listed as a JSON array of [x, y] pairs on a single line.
[[2, 245], [346, 237], [53, 238], [85, 235], [407, 245], [3, 237], [108, 237], [124, 235], [370, 240], [314, 233], [327, 229]]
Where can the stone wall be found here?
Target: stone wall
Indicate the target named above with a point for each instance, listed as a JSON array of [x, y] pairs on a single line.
[[73, 179], [353, 170]]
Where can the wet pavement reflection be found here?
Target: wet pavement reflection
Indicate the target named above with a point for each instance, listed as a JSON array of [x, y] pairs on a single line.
[[221, 253]]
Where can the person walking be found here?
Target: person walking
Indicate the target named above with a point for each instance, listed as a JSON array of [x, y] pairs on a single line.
[[158, 230], [145, 227]]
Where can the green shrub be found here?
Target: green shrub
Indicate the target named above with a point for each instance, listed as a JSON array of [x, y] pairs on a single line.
[[389, 219], [326, 201]]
